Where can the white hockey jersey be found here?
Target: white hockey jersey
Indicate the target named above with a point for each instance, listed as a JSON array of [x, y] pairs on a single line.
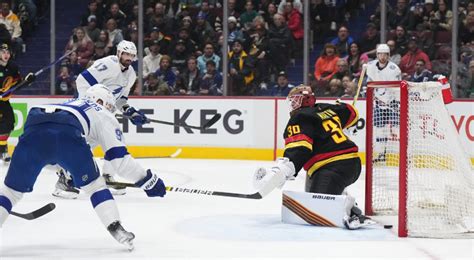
[[101, 128], [107, 71], [391, 72]]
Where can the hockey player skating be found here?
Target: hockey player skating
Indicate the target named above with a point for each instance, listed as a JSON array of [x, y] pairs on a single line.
[[314, 141], [117, 74], [9, 77], [60, 134]]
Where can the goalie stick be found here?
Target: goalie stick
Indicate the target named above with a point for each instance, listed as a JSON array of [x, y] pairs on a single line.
[[36, 213], [208, 124]]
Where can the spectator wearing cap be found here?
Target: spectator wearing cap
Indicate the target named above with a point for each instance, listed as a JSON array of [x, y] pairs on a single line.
[[408, 61], [369, 41], [421, 74], [115, 13], [248, 15], [208, 55], [325, 66], [179, 56], [189, 80], [282, 87], [151, 62], [234, 30], [92, 12], [12, 23], [203, 31], [163, 40], [241, 68], [165, 74], [83, 45], [343, 41], [280, 43], [211, 81], [184, 36], [115, 34], [91, 28]]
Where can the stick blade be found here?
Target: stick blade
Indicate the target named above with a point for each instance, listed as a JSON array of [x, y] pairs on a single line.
[[37, 213], [212, 121]]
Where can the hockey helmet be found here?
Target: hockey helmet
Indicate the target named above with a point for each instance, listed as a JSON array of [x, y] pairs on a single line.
[[383, 48], [100, 94], [128, 47], [301, 96]]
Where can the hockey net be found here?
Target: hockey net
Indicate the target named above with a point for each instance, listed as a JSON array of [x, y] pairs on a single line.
[[416, 166]]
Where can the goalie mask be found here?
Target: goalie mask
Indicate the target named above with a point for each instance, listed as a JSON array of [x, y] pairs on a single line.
[[301, 96], [101, 95]]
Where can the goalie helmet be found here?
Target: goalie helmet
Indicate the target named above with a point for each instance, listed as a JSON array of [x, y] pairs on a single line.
[[127, 47], [301, 96], [100, 94]]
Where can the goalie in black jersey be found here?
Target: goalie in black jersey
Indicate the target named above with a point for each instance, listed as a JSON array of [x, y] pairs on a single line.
[[314, 140]]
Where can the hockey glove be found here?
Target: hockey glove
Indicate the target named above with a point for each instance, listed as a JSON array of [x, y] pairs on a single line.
[[137, 118], [152, 185], [30, 78], [277, 175]]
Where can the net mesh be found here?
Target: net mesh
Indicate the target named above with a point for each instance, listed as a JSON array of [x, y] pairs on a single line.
[[440, 182]]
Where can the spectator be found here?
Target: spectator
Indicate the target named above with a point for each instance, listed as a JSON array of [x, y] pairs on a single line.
[[211, 82], [183, 34], [282, 88], [133, 15], [72, 62], [247, 17], [92, 10], [343, 41], [207, 56], [325, 66], [280, 43], [401, 39], [190, 79], [164, 41], [231, 8], [395, 57], [104, 38], [83, 46], [179, 57], [320, 20], [5, 36], [12, 23], [91, 28], [425, 42], [234, 30], [115, 35], [295, 24], [268, 15], [203, 31], [407, 64], [421, 74], [165, 74], [172, 9], [400, 15], [443, 18], [335, 88], [99, 52], [240, 70], [260, 51], [65, 82], [342, 69], [356, 59], [205, 9], [369, 41], [350, 90], [151, 62], [116, 14], [466, 29]]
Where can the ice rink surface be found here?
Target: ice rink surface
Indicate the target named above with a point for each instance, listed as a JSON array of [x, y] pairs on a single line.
[[189, 226]]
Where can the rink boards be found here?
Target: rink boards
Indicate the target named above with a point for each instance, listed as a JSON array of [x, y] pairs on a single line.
[[250, 128]]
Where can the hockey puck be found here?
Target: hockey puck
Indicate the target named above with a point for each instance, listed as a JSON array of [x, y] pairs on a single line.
[[387, 226]]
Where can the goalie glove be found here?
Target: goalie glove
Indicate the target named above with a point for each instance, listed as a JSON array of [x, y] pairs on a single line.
[[152, 185], [137, 117], [275, 176]]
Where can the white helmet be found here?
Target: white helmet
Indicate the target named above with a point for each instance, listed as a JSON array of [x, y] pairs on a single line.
[[126, 46], [383, 48], [101, 92]]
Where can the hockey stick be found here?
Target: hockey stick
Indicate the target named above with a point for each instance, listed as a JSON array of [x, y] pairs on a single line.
[[24, 82], [208, 124], [36, 213], [359, 83]]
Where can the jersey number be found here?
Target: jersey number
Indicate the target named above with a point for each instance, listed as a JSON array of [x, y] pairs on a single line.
[[293, 130], [333, 126], [100, 67]]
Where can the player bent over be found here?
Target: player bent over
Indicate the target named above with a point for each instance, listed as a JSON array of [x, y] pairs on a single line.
[[59, 134], [118, 75], [314, 140]]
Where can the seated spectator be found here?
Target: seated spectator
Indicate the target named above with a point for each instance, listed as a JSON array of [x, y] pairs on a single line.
[[401, 40], [211, 82], [115, 13], [99, 52], [206, 10], [156, 35], [443, 18], [91, 28], [356, 59], [164, 73], [207, 56], [280, 43], [12, 23], [184, 36], [395, 57], [399, 15], [179, 57], [325, 66], [155, 86], [83, 46], [421, 74], [241, 68], [248, 15], [295, 24], [115, 34], [92, 10], [203, 31], [335, 88], [369, 41], [234, 31], [466, 29], [65, 82], [343, 41], [190, 79], [261, 52], [282, 88], [72, 62], [342, 69], [320, 20], [151, 62], [104, 38], [408, 61], [425, 42], [350, 90]]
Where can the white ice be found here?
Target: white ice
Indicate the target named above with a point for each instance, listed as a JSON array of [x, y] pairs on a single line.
[[189, 226]]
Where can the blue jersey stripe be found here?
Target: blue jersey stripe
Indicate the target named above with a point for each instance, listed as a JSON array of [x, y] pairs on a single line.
[[115, 153], [82, 112], [101, 196], [88, 76], [6, 203]]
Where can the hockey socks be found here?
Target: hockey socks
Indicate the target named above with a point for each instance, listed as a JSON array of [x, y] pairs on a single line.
[[105, 206]]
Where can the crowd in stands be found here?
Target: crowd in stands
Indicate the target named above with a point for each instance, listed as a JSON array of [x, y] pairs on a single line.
[[183, 43]]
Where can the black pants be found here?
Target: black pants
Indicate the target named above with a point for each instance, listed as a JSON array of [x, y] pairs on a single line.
[[7, 119], [334, 177]]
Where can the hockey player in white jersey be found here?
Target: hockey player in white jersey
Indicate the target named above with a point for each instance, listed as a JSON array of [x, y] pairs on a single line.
[[382, 69], [117, 74], [61, 134]]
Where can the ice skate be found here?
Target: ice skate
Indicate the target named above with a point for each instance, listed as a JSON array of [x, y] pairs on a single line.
[[114, 189], [64, 188], [121, 235], [5, 157], [357, 222]]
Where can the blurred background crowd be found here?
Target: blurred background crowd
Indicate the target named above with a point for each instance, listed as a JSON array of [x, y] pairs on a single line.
[[183, 54]]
